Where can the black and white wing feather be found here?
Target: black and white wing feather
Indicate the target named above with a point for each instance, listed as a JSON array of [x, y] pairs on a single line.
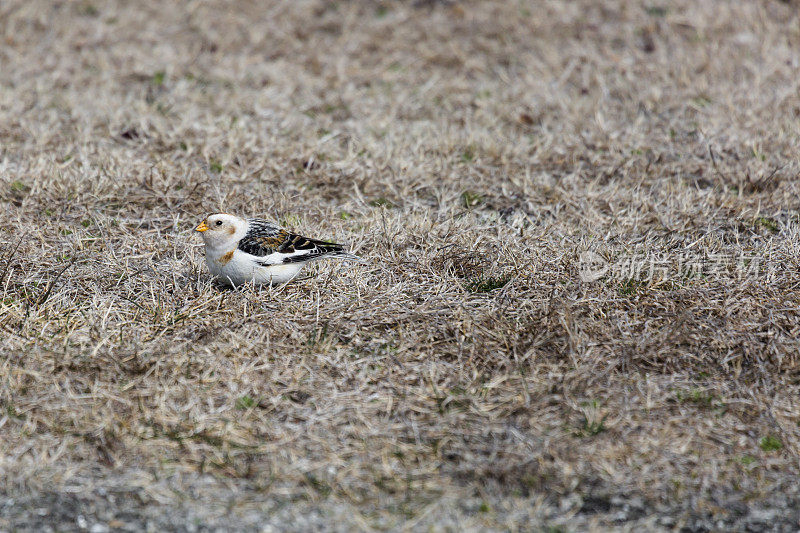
[[273, 245]]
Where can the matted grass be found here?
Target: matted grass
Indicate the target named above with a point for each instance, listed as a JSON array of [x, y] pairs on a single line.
[[580, 308]]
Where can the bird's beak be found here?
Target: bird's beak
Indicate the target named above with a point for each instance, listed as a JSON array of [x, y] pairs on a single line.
[[202, 227]]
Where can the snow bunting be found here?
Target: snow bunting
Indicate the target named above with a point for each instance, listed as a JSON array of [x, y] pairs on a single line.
[[240, 250]]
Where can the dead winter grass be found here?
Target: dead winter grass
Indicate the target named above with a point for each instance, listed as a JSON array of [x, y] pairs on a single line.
[[471, 152]]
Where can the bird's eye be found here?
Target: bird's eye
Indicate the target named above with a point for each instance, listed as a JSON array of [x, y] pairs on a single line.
[[219, 222]]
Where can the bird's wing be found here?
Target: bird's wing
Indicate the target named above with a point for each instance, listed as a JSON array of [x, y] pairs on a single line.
[[272, 245]]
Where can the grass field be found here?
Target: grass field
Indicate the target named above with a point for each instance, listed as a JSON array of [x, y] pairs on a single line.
[[579, 311]]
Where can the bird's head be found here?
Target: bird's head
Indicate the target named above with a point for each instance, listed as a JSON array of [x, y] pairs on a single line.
[[221, 230]]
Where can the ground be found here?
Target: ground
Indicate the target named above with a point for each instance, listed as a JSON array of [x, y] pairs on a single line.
[[579, 304]]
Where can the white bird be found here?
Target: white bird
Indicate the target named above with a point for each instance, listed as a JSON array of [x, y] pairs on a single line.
[[243, 250]]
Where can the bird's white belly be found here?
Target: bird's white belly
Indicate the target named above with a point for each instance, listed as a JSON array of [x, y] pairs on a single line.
[[238, 270]]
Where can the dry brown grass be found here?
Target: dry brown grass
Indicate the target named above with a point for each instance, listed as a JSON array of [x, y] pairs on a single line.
[[468, 377]]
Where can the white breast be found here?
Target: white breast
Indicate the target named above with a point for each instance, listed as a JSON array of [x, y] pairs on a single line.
[[239, 268]]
